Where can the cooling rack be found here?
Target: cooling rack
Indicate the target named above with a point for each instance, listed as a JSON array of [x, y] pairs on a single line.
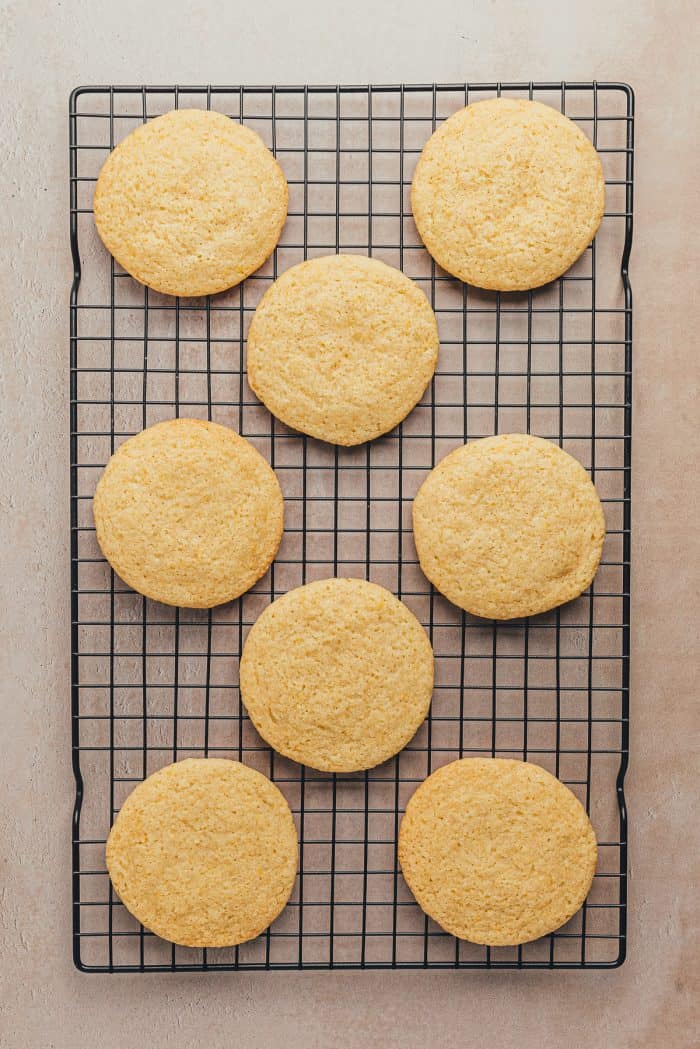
[[151, 684]]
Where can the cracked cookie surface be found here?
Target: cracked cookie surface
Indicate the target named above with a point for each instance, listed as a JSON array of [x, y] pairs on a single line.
[[507, 194], [497, 851], [190, 203], [337, 675], [204, 852]]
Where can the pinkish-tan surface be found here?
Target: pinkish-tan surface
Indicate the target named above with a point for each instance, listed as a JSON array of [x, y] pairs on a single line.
[[46, 50]]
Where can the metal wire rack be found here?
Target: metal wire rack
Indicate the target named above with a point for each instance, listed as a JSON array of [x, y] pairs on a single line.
[[151, 684]]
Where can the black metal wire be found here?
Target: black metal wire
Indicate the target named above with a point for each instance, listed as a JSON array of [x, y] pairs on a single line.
[[150, 684]]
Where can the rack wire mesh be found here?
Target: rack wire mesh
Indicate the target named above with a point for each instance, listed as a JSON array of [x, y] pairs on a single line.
[[151, 684]]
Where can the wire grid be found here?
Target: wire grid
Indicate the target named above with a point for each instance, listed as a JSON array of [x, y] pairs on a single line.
[[152, 684]]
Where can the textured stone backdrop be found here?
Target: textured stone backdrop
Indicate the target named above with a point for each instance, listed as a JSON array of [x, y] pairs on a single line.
[[45, 50]]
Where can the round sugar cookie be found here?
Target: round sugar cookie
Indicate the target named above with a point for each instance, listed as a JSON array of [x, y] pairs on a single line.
[[507, 194], [497, 852], [342, 348], [204, 852], [188, 513], [190, 203], [337, 674], [509, 526]]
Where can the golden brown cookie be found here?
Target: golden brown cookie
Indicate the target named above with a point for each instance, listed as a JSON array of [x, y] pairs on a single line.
[[342, 348], [337, 675], [509, 526], [191, 203], [507, 194], [498, 852], [188, 513], [204, 852]]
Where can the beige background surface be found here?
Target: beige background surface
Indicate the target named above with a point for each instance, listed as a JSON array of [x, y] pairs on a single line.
[[45, 50]]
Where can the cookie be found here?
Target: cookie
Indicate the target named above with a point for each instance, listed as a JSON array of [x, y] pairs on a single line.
[[507, 194], [497, 852], [190, 203], [337, 675], [204, 852], [508, 526], [188, 513], [342, 348]]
